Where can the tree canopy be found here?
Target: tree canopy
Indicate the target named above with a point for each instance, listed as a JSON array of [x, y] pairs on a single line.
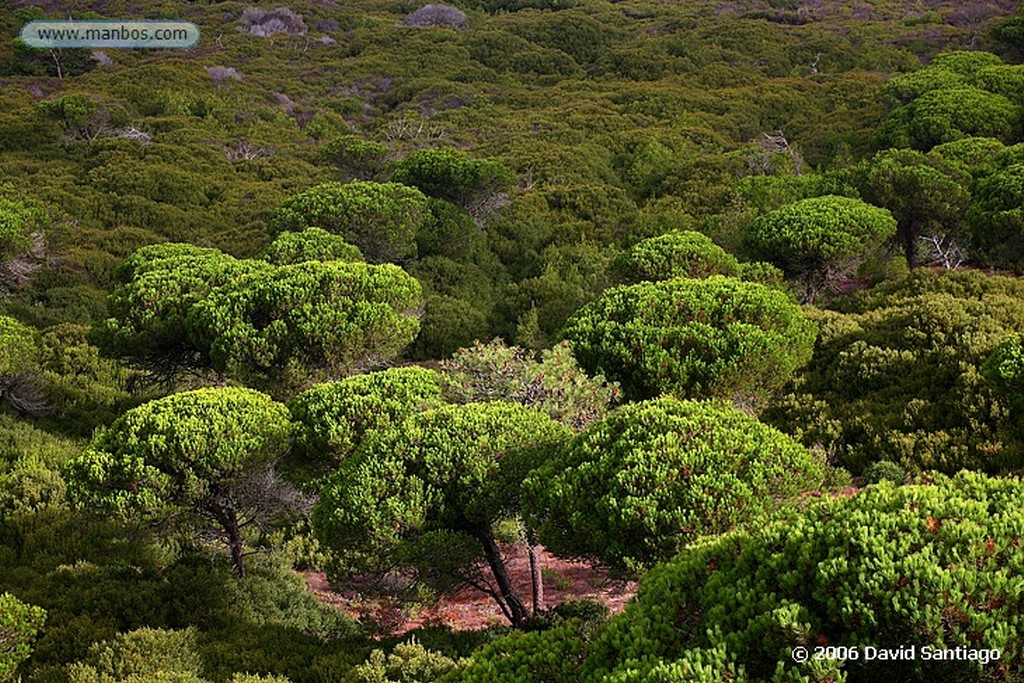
[[381, 219], [332, 420], [818, 240], [307, 321], [635, 488], [425, 496], [200, 451], [717, 337]]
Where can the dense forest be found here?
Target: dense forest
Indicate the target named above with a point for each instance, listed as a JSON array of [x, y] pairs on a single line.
[[720, 298]]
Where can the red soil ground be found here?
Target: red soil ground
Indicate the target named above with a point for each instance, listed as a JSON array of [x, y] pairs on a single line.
[[470, 609]]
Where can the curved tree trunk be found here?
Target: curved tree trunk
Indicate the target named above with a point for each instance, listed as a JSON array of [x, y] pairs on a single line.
[[515, 609], [228, 520]]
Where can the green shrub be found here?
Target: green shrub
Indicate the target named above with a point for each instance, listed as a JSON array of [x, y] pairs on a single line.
[[693, 338], [630, 491], [923, 565], [332, 420], [407, 662], [453, 176], [681, 254], [312, 244], [554, 384], [381, 219], [296, 324], [19, 624], [897, 376], [820, 240]]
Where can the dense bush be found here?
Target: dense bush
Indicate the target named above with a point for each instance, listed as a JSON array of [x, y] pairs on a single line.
[[630, 491], [693, 338], [679, 254], [159, 285], [820, 240], [382, 219], [312, 244], [305, 322], [332, 420], [554, 384], [929, 565], [423, 497], [452, 175], [838, 575], [897, 376], [19, 624], [207, 451]]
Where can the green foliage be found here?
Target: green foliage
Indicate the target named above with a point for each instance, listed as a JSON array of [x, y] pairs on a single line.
[[332, 420], [452, 234], [692, 338], [355, 157], [897, 376], [678, 254], [423, 496], [883, 470], [408, 662], [1005, 368], [159, 285], [382, 219], [555, 384], [21, 219], [888, 567], [308, 321], [449, 323], [926, 194], [818, 240], [19, 625], [180, 450], [630, 492], [140, 656], [312, 244], [201, 451], [958, 95], [18, 346], [453, 176], [79, 114]]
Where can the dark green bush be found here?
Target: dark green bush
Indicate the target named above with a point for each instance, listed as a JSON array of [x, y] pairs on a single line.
[[382, 219]]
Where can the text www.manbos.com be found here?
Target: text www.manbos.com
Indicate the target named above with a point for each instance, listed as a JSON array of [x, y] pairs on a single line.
[[111, 34]]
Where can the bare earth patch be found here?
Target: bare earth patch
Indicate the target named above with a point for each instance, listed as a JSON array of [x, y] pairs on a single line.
[[472, 610]]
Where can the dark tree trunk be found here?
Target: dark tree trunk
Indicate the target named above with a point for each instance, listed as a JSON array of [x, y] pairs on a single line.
[[228, 520], [536, 577], [516, 610], [910, 231]]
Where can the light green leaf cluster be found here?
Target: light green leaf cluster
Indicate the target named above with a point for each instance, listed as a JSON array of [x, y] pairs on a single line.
[[676, 254], [307, 321], [17, 346], [453, 471], [185, 450], [637, 487], [182, 306], [312, 244], [19, 624], [717, 337], [20, 219], [332, 420]]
